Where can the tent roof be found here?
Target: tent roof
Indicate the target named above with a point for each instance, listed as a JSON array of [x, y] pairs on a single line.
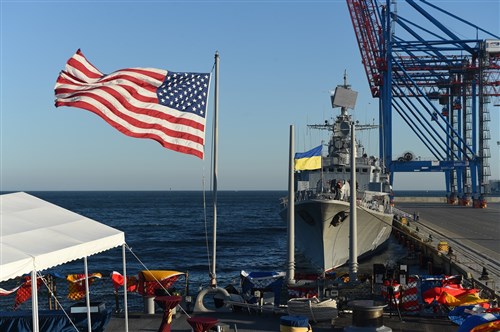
[[38, 234]]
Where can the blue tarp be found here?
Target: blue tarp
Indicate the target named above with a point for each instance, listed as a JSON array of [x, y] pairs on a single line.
[[263, 281], [295, 321], [52, 320], [469, 316]]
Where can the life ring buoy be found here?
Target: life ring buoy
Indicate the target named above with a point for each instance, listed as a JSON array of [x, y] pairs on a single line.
[[199, 306]]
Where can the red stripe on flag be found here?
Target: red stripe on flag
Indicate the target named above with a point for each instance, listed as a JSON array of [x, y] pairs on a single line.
[[131, 79], [71, 92], [156, 76], [83, 65], [77, 65]]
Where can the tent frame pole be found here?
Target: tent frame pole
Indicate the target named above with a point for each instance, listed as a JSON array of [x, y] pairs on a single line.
[[87, 294], [125, 303], [34, 299]]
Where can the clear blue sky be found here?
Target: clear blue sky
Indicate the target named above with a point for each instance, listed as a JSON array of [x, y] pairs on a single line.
[[279, 59]]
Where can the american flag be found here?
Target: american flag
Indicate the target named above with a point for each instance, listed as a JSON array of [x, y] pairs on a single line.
[[168, 107]]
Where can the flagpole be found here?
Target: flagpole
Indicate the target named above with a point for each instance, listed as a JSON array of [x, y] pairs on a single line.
[[213, 276], [199, 306], [291, 211], [353, 224], [125, 286]]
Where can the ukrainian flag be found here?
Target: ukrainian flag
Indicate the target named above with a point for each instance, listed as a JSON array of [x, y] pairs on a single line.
[[308, 160]]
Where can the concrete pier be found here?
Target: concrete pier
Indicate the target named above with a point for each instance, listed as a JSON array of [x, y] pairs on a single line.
[[472, 234]]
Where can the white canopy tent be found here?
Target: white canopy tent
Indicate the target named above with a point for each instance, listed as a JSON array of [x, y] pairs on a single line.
[[36, 235]]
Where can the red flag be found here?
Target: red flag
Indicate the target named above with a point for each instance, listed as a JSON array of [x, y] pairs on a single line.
[[168, 107], [118, 279]]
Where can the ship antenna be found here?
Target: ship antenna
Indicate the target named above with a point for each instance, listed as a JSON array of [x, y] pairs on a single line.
[[343, 109]]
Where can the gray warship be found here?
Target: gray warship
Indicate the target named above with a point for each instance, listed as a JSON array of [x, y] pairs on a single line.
[[322, 196]]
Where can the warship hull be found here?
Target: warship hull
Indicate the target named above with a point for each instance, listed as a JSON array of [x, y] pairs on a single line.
[[322, 231]]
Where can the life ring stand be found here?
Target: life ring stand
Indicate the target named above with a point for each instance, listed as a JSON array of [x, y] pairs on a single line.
[[200, 307]]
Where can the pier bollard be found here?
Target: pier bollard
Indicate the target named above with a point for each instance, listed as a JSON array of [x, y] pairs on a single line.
[[367, 315], [485, 278]]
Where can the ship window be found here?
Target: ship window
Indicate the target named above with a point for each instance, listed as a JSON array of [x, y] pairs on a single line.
[[339, 170], [364, 170], [331, 169], [348, 170]]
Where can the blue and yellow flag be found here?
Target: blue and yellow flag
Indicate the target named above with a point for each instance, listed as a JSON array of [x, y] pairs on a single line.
[[308, 160]]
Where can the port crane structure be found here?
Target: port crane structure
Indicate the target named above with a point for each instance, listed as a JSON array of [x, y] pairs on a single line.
[[441, 85]]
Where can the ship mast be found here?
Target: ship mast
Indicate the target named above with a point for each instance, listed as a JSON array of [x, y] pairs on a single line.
[[344, 98], [343, 109]]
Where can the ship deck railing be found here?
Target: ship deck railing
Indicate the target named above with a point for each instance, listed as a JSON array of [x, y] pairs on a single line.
[[368, 202]]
